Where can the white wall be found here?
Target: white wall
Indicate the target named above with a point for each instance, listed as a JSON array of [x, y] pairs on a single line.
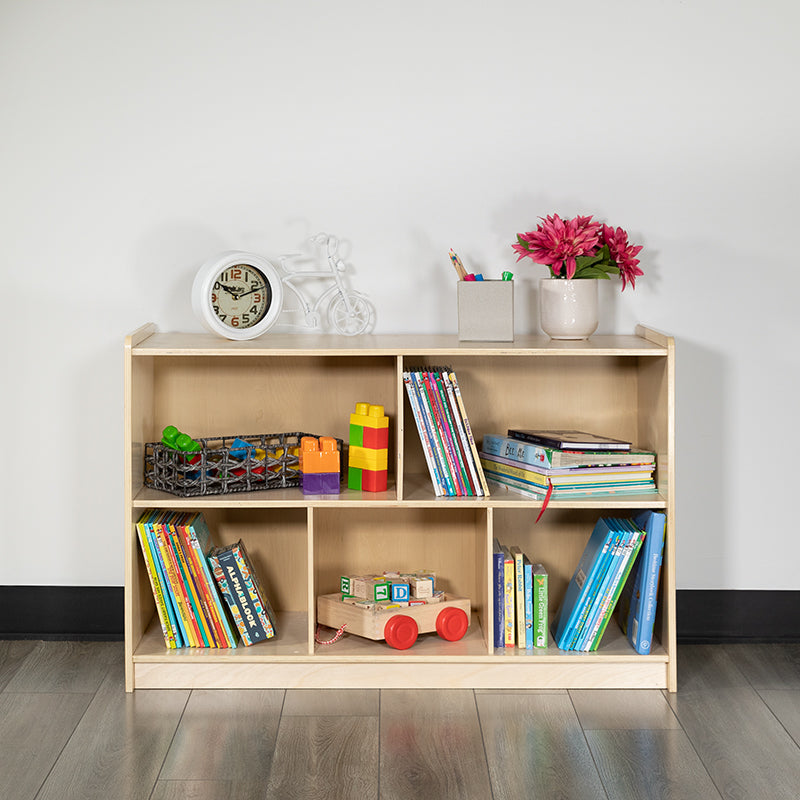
[[137, 139]]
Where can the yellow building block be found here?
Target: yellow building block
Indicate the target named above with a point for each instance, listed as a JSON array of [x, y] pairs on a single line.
[[369, 416], [365, 458]]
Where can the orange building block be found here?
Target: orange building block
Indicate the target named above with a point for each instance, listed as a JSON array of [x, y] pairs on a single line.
[[319, 456]]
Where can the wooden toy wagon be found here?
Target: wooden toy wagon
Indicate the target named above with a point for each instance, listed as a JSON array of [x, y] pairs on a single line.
[[399, 625]]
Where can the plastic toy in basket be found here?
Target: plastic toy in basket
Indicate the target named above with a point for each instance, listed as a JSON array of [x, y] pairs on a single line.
[[225, 464]]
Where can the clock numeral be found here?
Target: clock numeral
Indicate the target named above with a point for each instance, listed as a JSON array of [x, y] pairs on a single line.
[[245, 319], [254, 310], [236, 274], [235, 322], [257, 297], [214, 298]]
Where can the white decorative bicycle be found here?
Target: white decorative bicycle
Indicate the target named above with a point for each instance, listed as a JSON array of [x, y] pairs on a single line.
[[349, 312]]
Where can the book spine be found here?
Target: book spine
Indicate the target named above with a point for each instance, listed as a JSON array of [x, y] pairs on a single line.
[[615, 590], [462, 440], [435, 434], [155, 585], [509, 619], [468, 430], [424, 436], [444, 433], [193, 531], [518, 451], [527, 569], [499, 594], [540, 606], [176, 585], [258, 596], [192, 594], [169, 597], [519, 593]]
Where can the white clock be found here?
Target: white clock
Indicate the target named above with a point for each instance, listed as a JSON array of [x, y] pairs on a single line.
[[237, 295]]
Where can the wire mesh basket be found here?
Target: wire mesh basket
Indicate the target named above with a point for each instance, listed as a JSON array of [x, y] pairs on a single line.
[[226, 464]]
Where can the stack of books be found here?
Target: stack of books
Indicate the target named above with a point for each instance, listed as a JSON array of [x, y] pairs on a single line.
[[598, 581], [175, 546], [562, 464], [445, 433], [520, 599]]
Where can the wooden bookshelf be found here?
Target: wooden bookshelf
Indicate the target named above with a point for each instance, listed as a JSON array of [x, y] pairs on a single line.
[[622, 386]]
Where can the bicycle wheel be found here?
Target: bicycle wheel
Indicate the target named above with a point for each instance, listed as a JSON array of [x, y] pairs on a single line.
[[356, 320]]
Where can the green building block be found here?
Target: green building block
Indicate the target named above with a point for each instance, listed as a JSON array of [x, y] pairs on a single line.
[[354, 478]]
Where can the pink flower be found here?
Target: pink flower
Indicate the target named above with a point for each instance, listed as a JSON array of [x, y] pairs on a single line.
[[623, 254], [557, 242]]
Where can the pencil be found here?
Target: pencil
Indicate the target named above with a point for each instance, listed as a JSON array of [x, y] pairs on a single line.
[[458, 265]]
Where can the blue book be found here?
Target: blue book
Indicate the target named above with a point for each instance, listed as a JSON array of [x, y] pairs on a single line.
[[498, 578], [622, 554], [594, 594], [637, 604], [585, 573], [527, 569]]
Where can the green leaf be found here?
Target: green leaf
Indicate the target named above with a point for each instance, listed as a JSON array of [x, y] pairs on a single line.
[[592, 272], [587, 261]]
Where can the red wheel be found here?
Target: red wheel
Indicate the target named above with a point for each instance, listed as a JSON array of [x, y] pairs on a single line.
[[452, 623], [400, 632]]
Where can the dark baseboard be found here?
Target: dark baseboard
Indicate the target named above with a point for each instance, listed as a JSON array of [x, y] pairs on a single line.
[[62, 612], [738, 615], [96, 613]]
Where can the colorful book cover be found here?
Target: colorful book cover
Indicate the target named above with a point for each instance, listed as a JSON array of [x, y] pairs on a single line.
[[181, 639], [495, 444], [639, 597], [568, 478], [190, 585], [161, 534], [519, 592], [447, 446], [468, 431], [629, 558], [435, 434], [585, 572], [198, 538], [464, 443], [498, 577], [424, 435], [540, 605], [527, 569], [155, 582], [587, 490], [600, 595], [509, 605], [452, 434], [243, 592]]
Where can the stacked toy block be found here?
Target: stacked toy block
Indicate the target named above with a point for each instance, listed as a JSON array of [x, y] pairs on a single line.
[[319, 465], [369, 449], [391, 589]]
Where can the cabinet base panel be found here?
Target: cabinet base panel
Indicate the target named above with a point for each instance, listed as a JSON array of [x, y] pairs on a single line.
[[635, 674]]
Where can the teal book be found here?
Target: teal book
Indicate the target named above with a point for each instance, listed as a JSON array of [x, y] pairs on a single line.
[[585, 573], [639, 598]]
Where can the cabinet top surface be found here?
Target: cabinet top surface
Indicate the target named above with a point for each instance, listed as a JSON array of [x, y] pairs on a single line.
[[149, 342]]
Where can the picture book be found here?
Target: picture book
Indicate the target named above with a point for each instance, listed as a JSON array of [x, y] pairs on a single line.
[[589, 564], [636, 611], [509, 599], [243, 592], [553, 458], [498, 578], [540, 602], [519, 592], [527, 569], [568, 440]]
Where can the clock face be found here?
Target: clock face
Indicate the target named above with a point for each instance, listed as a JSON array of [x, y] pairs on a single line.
[[241, 296]]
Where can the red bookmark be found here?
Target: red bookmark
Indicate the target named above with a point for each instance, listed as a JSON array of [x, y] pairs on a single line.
[[546, 499]]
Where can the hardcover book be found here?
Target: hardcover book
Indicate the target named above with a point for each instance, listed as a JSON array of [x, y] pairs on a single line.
[[639, 598], [568, 440], [243, 592], [540, 604]]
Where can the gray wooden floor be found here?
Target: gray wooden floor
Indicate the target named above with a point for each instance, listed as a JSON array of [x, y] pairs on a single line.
[[68, 730]]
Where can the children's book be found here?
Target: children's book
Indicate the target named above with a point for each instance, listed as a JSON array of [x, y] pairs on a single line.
[[498, 577], [581, 582], [527, 569], [509, 604], [639, 597], [568, 440], [540, 605], [243, 593], [552, 458], [519, 592]]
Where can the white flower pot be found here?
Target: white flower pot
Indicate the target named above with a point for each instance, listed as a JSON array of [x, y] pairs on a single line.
[[568, 308]]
